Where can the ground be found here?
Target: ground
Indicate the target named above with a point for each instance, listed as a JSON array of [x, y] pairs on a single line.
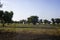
[[30, 32]]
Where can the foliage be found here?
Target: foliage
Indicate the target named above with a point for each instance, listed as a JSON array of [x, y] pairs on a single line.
[[40, 21], [1, 14], [23, 21], [46, 21], [6, 17], [53, 20], [57, 20], [33, 19]]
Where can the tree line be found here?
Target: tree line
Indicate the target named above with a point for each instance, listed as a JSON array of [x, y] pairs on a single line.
[[6, 17], [34, 20]]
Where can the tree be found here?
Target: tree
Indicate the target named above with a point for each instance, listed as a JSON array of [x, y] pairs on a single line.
[[47, 21], [53, 20], [1, 14], [40, 21], [23, 21], [8, 16], [57, 20], [1, 17], [29, 20], [33, 19]]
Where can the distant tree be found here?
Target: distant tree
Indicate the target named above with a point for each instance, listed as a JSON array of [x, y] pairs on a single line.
[[15, 21], [29, 20], [23, 21], [45, 21], [57, 20], [33, 19], [40, 21], [49, 22], [53, 20]]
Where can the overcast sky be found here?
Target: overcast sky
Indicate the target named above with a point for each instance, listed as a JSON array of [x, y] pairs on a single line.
[[45, 9]]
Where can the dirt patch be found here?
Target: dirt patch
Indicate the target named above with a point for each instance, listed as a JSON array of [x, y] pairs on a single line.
[[24, 36], [7, 35]]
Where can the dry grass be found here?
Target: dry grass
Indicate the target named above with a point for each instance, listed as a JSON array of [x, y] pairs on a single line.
[[17, 25], [29, 34], [32, 31]]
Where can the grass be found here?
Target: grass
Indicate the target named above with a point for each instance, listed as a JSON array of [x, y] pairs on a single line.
[[16, 25], [32, 30], [29, 32]]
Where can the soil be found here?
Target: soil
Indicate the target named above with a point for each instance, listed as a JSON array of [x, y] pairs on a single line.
[[24, 36]]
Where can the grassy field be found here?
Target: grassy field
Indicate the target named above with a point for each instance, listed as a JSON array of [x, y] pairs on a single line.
[[16, 25], [32, 30], [29, 32]]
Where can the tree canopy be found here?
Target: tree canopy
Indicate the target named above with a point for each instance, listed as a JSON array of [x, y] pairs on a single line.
[[33, 19], [6, 17]]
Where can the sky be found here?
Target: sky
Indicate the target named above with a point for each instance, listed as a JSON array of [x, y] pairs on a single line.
[[44, 9]]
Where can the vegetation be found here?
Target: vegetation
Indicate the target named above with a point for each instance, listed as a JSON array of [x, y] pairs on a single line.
[[33, 19], [46, 21], [29, 34], [31, 29], [40, 21], [6, 17], [23, 21]]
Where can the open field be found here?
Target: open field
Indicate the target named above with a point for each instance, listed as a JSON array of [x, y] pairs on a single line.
[[17, 25], [31, 32]]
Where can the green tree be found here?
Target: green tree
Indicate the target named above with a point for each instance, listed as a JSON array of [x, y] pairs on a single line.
[[33, 19], [49, 22], [8, 16], [29, 20], [1, 17], [53, 20], [23, 21], [1, 14], [45, 21], [40, 21], [57, 20]]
